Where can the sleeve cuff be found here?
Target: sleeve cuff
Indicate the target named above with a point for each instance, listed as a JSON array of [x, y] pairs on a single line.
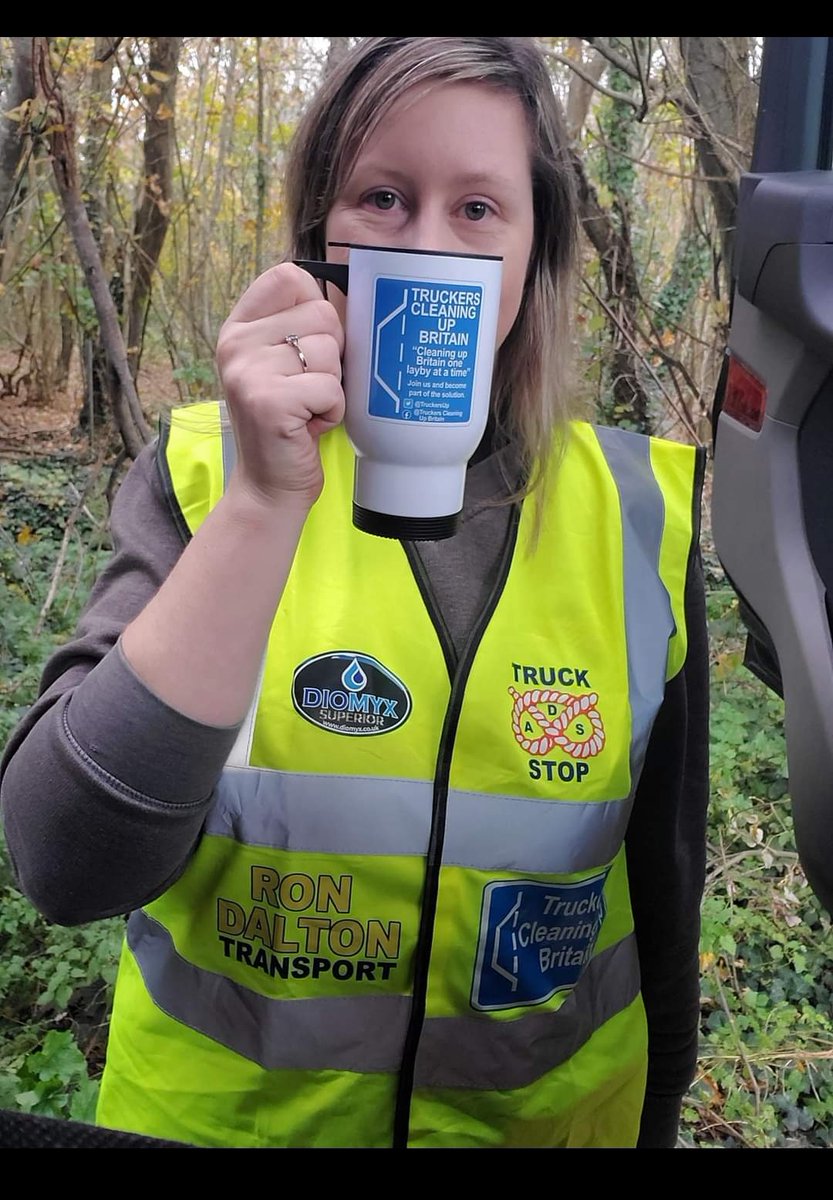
[[660, 1122], [140, 740]]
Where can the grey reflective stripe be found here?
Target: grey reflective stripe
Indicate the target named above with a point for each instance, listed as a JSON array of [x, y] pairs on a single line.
[[649, 621], [229, 447], [242, 748], [331, 814], [491, 1055], [343, 814], [510, 833], [366, 1033], [338, 1033]]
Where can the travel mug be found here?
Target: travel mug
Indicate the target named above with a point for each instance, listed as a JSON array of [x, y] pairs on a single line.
[[419, 350]]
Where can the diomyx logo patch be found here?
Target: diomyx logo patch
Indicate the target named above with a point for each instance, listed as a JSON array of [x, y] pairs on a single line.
[[351, 693]]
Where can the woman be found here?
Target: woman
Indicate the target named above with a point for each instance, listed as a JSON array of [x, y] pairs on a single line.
[[433, 935]]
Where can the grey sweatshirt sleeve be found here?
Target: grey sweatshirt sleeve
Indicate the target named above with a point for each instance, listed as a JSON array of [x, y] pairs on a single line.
[[104, 787]]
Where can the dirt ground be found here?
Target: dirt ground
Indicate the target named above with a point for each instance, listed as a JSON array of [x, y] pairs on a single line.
[[31, 426]]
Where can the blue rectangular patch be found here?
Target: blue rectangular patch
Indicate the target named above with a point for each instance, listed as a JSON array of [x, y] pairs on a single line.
[[424, 350], [535, 939]]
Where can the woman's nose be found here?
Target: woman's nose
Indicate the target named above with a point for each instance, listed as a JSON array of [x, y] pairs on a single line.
[[430, 230]]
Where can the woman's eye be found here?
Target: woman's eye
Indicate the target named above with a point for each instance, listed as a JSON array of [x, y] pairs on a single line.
[[383, 200], [476, 210]]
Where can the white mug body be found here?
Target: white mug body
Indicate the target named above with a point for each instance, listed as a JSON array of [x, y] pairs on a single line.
[[419, 352]]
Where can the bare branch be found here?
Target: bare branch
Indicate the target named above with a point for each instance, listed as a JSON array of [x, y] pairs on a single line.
[[613, 57], [99, 62], [670, 359], [647, 166], [62, 553], [110, 490], [727, 150], [588, 78], [643, 81], [682, 411]]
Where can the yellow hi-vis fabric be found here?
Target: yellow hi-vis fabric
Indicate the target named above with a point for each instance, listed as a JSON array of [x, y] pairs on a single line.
[[407, 920]]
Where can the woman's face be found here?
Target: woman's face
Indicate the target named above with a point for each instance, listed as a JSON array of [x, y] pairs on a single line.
[[448, 170]]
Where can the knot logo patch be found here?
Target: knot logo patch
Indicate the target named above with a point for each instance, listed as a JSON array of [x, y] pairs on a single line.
[[543, 720], [350, 693], [535, 940], [562, 726]]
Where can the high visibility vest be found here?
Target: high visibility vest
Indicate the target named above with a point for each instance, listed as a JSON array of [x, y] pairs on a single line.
[[407, 920]]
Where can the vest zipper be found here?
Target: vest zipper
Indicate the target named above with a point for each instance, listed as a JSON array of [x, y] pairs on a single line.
[[459, 673]]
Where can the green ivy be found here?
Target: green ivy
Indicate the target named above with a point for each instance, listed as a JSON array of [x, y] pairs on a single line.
[[766, 1058], [51, 1081], [198, 376], [691, 267], [35, 502], [55, 983]]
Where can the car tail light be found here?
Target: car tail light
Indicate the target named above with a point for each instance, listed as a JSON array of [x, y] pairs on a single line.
[[745, 395]]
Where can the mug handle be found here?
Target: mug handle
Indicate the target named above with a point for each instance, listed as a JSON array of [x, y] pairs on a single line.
[[337, 273]]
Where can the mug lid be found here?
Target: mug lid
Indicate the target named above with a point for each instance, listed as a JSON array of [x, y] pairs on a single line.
[[408, 250]]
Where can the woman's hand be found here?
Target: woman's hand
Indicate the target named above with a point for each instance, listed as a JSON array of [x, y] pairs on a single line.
[[279, 410]]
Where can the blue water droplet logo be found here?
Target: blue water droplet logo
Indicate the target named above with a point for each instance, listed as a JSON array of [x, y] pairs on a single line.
[[354, 678]]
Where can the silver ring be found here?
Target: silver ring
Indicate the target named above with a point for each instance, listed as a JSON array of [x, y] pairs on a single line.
[[292, 340]]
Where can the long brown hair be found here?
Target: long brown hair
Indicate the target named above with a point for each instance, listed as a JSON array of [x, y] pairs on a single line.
[[531, 378]]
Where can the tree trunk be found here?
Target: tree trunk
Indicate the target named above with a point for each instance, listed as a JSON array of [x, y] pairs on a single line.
[[65, 355], [581, 90], [95, 362], [720, 104], [261, 164], [60, 133], [613, 246], [200, 307], [339, 46], [153, 215], [21, 88]]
